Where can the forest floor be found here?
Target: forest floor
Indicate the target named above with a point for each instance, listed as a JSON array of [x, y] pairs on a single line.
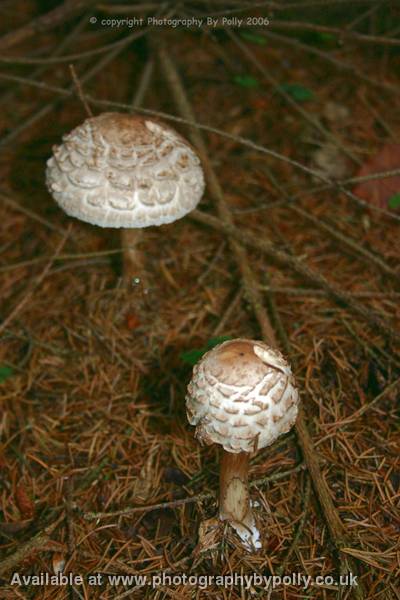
[[94, 369]]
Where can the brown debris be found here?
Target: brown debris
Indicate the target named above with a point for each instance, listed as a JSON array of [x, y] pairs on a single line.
[[98, 467]]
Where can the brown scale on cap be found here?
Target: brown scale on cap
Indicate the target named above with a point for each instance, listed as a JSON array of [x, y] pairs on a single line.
[[120, 129]]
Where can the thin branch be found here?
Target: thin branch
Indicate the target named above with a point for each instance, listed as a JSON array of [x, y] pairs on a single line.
[[243, 7], [342, 33], [348, 242], [29, 213], [69, 92], [60, 257], [143, 84], [45, 22], [298, 291], [276, 6], [66, 42], [79, 91], [293, 263], [309, 118], [251, 290], [380, 355], [343, 240], [55, 60], [234, 304], [93, 516], [39, 542], [343, 66], [392, 387], [127, 9]]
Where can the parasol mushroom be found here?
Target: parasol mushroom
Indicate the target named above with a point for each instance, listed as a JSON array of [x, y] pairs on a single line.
[[242, 396], [125, 171]]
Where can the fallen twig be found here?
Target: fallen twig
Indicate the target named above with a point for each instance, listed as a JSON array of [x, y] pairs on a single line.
[[299, 267], [39, 541], [69, 91], [67, 10], [343, 66], [310, 118], [342, 33], [79, 91], [92, 516], [343, 239]]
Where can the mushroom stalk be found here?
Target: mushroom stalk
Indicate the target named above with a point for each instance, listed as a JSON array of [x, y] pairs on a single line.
[[132, 258], [234, 498]]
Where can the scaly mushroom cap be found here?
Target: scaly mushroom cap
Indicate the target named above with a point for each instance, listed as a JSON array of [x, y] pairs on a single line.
[[120, 170], [242, 396]]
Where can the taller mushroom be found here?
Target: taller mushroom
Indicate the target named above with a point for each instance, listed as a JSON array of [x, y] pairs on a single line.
[[127, 171], [242, 396]]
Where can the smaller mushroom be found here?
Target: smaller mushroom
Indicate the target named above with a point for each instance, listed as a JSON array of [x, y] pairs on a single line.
[[242, 396], [125, 171]]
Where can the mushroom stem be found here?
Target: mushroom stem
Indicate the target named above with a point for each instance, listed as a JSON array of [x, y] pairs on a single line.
[[234, 498], [132, 257]]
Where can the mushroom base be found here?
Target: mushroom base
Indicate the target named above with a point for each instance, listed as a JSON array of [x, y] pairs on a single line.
[[234, 499]]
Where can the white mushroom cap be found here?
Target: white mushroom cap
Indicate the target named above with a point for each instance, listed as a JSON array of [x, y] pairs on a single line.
[[120, 170], [242, 396]]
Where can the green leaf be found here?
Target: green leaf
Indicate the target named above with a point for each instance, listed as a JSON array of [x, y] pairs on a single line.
[[218, 340], [193, 356], [394, 201], [5, 372], [297, 92], [246, 81], [326, 37], [323, 37], [253, 37]]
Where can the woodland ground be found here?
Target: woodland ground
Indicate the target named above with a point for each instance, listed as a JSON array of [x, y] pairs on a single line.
[[94, 370]]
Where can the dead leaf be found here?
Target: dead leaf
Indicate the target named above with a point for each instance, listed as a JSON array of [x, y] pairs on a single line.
[[132, 321], [58, 562], [24, 502], [379, 191]]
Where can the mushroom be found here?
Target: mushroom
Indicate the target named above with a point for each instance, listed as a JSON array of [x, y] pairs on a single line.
[[242, 396], [127, 171]]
